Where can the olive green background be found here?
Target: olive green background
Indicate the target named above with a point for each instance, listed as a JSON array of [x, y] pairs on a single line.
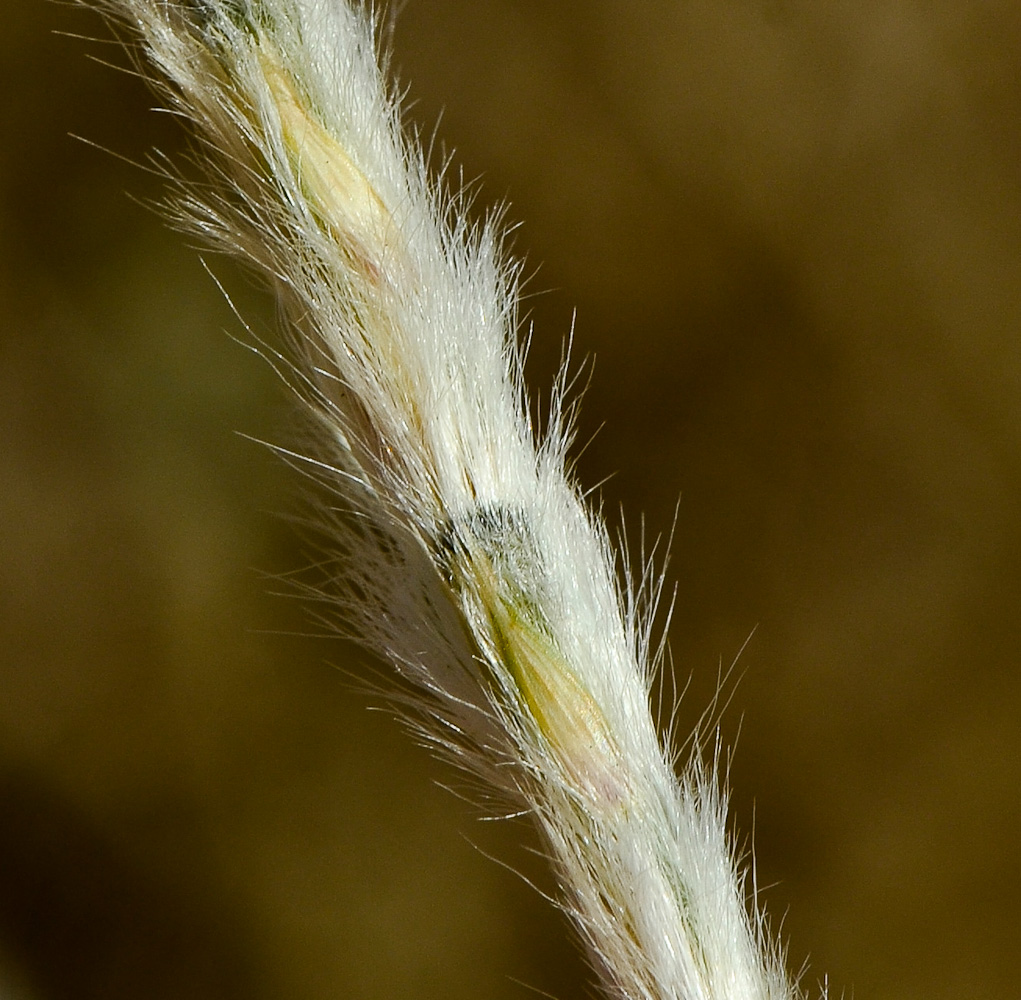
[[792, 233]]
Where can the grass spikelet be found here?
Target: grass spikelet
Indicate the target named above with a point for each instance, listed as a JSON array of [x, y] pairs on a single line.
[[467, 555]]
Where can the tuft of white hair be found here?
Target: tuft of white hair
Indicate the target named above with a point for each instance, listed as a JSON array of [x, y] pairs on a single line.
[[466, 555]]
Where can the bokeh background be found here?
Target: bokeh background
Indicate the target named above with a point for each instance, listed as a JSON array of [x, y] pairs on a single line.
[[792, 234]]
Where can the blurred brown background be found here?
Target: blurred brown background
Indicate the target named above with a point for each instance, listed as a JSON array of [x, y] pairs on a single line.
[[791, 230]]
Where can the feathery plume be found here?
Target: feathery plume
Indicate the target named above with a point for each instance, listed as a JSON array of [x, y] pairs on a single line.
[[466, 555]]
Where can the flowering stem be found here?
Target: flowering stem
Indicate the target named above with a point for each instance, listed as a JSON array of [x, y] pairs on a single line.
[[471, 560]]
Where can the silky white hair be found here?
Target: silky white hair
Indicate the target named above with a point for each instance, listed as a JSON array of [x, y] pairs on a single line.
[[463, 551]]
